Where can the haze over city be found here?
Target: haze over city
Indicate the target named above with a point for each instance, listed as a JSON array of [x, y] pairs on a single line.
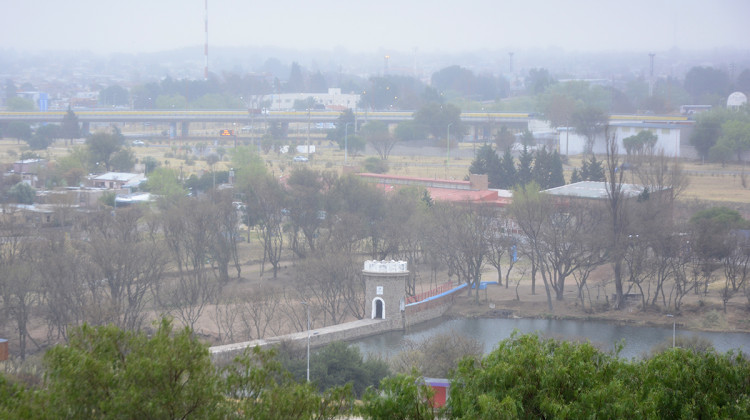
[[141, 26]]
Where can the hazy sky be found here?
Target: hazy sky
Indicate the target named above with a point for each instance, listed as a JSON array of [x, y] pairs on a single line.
[[130, 26]]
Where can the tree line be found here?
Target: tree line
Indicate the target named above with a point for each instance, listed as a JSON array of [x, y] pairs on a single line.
[[106, 372]]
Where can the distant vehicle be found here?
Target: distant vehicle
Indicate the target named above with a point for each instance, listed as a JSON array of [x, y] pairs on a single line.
[[300, 159], [138, 143]]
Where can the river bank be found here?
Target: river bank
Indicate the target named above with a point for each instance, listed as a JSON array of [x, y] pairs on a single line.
[[697, 313]]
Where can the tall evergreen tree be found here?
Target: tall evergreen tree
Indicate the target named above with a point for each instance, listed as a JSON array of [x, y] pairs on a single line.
[[556, 177], [296, 82], [69, 129], [508, 176], [596, 170], [524, 175], [487, 162], [575, 176], [541, 171]]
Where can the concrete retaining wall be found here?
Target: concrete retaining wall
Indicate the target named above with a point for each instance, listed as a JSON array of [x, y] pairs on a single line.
[[413, 314]]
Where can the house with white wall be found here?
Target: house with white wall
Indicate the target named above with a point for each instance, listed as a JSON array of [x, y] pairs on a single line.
[[668, 137]]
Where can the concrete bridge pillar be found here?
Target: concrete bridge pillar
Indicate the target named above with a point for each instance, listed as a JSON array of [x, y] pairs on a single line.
[[385, 283], [185, 129], [85, 129], [172, 130]]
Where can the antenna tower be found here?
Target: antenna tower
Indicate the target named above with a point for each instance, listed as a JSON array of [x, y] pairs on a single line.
[[205, 47]]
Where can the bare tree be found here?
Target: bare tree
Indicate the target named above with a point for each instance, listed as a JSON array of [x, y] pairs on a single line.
[[466, 242], [190, 231], [531, 211], [501, 241], [736, 267], [65, 275], [332, 279], [225, 316], [127, 260], [376, 134], [258, 312], [306, 214], [617, 214], [19, 284], [223, 247], [266, 203]]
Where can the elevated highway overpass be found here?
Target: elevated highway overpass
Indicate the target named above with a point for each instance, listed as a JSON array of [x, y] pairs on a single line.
[[241, 117]]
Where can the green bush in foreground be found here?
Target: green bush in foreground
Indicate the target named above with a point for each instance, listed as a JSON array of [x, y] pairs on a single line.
[[530, 377], [104, 372]]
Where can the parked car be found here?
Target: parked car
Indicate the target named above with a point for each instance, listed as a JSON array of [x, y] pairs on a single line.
[[138, 143], [300, 159]]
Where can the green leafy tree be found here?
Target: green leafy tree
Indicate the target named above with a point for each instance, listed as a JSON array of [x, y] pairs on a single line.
[[399, 397], [339, 364], [558, 108], [508, 175], [707, 131], [436, 118], [487, 162], [44, 136], [164, 181], [114, 95], [683, 383], [589, 121], [735, 136], [743, 82], [105, 372], [409, 130], [643, 142], [102, 147], [150, 163], [538, 80], [20, 104], [720, 153], [375, 165], [259, 387], [171, 102], [344, 126], [530, 377], [706, 85], [22, 193], [70, 129], [123, 160], [18, 130]]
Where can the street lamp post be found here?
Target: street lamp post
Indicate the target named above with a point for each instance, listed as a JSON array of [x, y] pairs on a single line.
[[346, 142], [307, 310]]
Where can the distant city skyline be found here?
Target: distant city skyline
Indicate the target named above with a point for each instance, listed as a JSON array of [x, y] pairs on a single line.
[[144, 26]]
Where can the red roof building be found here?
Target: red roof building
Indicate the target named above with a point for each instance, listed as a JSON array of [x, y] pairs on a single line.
[[474, 191]]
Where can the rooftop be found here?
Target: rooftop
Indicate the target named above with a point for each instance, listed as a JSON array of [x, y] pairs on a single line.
[[592, 189]]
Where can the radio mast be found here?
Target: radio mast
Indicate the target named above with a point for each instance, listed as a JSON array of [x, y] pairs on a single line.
[[205, 47]]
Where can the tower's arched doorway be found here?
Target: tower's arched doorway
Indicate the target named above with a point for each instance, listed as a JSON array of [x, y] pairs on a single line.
[[378, 309]]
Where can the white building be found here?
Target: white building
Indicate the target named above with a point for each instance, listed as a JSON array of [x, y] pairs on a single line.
[[668, 138], [334, 100], [118, 180]]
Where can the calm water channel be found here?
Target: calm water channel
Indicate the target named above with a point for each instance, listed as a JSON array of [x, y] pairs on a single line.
[[638, 340]]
